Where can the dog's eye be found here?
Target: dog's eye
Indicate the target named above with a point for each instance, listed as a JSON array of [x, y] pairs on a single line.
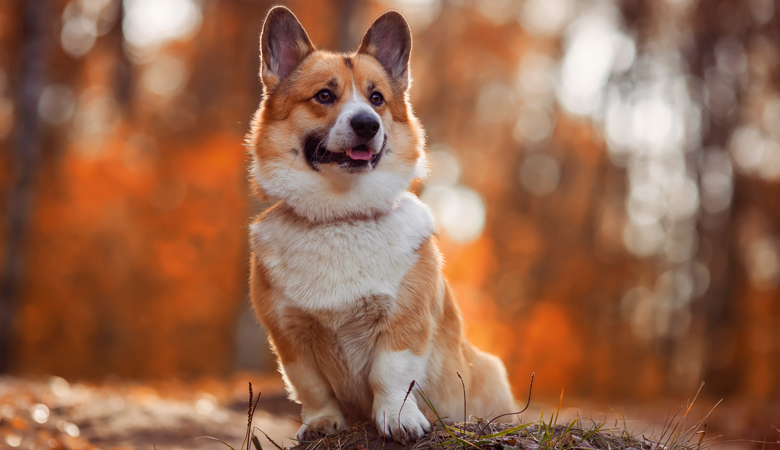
[[325, 96], [377, 99]]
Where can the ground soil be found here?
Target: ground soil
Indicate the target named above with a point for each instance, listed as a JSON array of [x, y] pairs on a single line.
[[51, 413]]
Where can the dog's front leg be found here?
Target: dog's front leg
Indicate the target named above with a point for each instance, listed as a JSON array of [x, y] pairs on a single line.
[[391, 376], [320, 411], [291, 333]]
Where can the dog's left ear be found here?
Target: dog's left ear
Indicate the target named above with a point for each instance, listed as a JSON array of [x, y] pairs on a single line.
[[283, 45], [389, 40]]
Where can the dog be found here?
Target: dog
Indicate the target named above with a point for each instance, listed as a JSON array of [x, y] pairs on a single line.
[[346, 275]]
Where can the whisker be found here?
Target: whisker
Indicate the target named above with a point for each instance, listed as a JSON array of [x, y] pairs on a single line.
[[319, 146], [289, 168]]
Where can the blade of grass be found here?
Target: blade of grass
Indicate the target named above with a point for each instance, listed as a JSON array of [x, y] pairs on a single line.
[[596, 428], [446, 428], [667, 427], [215, 439], [256, 443], [560, 403], [540, 427], [567, 430], [507, 431], [704, 430], [269, 439]]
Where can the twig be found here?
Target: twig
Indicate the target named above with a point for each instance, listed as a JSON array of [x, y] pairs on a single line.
[[251, 415], [465, 417], [528, 403], [249, 419]]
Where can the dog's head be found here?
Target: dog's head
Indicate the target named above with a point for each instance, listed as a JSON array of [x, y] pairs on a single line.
[[335, 136]]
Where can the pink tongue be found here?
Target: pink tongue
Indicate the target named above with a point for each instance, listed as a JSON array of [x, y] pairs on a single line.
[[362, 154]]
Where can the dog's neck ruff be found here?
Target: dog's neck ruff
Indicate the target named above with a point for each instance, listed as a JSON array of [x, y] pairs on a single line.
[[331, 266], [373, 214], [318, 200]]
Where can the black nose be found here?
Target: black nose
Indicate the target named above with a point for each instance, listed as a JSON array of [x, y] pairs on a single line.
[[365, 125]]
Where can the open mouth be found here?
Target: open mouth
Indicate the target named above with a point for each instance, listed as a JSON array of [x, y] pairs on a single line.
[[357, 157]]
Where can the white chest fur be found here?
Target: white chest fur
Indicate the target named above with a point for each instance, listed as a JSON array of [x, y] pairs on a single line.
[[333, 265]]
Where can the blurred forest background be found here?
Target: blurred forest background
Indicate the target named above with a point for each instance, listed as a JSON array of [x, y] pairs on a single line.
[[606, 174]]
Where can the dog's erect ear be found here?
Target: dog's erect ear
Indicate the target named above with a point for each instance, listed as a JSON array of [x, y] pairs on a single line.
[[389, 40], [283, 45]]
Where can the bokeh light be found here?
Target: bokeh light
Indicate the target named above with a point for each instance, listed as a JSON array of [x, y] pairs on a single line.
[[57, 104], [459, 210], [148, 24]]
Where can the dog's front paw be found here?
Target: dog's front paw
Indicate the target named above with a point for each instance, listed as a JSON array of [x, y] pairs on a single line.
[[319, 425], [408, 426]]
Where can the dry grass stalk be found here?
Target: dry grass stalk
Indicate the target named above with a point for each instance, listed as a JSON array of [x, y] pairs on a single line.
[[579, 433]]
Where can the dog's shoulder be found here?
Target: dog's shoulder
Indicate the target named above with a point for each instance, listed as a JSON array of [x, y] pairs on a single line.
[[333, 265]]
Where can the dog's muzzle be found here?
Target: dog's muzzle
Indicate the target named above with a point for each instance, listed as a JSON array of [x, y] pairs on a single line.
[[358, 157]]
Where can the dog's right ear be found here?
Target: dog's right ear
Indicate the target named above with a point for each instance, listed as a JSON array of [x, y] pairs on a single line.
[[283, 45]]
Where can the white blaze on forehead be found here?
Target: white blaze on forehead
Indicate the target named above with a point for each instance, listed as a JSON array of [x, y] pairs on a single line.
[[355, 95], [342, 136]]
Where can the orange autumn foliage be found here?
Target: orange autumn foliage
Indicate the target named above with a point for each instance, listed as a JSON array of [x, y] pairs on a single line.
[[144, 267]]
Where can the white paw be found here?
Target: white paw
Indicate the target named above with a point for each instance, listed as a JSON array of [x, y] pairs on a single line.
[[408, 426], [316, 426]]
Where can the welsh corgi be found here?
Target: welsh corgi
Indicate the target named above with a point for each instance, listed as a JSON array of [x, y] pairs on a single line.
[[346, 275]]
